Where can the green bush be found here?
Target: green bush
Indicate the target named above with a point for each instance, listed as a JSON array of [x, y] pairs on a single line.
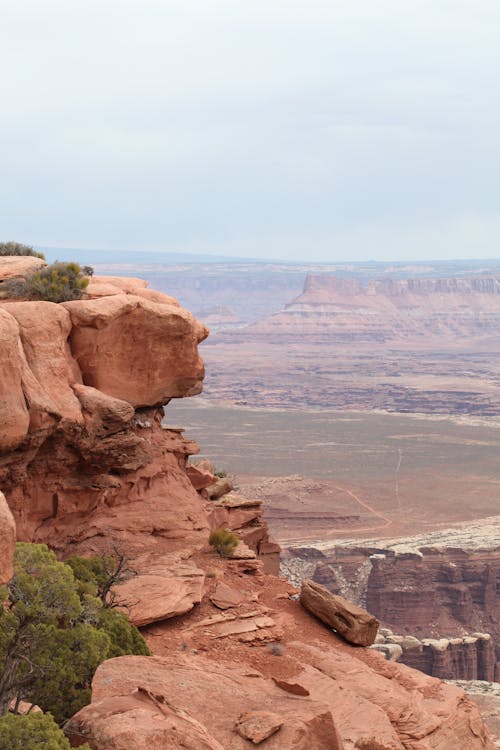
[[59, 282], [54, 633], [223, 541], [33, 731], [16, 248], [95, 576]]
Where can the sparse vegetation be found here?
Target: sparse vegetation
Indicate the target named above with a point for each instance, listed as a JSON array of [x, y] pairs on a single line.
[[223, 541], [32, 732], [54, 633], [17, 248], [59, 282], [276, 649], [220, 473]]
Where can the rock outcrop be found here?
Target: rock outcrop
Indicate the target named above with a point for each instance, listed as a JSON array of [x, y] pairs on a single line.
[[445, 596], [7, 540], [87, 466]]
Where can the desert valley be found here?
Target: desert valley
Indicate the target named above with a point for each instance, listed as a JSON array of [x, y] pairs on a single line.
[[350, 417]]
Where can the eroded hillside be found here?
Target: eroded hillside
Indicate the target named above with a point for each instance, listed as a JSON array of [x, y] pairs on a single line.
[[86, 464]]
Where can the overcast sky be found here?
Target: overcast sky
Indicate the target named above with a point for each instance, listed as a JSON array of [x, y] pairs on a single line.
[[334, 130]]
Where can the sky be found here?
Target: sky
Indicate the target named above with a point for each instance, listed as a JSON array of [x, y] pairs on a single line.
[[323, 131]]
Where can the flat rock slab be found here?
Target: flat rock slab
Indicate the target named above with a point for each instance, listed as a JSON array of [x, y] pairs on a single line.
[[257, 726], [353, 623], [242, 552], [224, 597], [152, 598], [237, 501]]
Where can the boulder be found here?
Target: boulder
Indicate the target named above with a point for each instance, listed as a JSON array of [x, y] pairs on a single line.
[[139, 721], [353, 623], [14, 414], [214, 695], [234, 511], [257, 726], [162, 595], [136, 350], [105, 413], [7, 540], [199, 478], [222, 486], [44, 329], [12, 266]]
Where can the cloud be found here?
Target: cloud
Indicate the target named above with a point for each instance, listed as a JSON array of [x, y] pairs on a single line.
[[251, 127]]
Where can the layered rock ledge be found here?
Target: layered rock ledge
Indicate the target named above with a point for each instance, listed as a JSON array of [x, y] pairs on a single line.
[[86, 465]]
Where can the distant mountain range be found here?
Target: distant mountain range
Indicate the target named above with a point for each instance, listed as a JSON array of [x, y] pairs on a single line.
[[137, 257]]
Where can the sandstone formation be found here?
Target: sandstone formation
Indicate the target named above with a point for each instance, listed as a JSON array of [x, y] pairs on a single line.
[[379, 310], [470, 656], [136, 350], [7, 540], [181, 686], [87, 467], [445, 596], [17, 266], [352, 622], [427, 345]]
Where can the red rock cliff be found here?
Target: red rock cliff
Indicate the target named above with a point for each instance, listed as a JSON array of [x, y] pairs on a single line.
[[86, 464]]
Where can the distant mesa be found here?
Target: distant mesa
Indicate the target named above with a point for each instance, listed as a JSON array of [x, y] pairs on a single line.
[[379, 310]]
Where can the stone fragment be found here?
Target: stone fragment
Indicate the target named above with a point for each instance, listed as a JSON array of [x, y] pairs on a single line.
[[391, 651], [225, 597], [222, 486], [109, 414], [199, 478], [291, 687], [257, 726], [139, 721], [353, 623], [242, 552]]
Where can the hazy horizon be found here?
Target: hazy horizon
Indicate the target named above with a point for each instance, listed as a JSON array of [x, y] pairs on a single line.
[[326, 132]]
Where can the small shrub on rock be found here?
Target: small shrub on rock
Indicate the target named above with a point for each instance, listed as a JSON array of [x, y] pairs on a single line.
[[16, 248], [223, 541], [59, 282]]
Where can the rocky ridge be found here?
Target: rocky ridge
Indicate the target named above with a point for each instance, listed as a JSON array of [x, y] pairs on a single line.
[[86, 465], [380, 310]]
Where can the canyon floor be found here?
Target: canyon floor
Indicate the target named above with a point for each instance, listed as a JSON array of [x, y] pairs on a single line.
[[332, 475]]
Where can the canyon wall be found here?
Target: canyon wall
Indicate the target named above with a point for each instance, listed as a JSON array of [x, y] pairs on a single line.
[[86, 466], [383, 310], [447, 597]]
